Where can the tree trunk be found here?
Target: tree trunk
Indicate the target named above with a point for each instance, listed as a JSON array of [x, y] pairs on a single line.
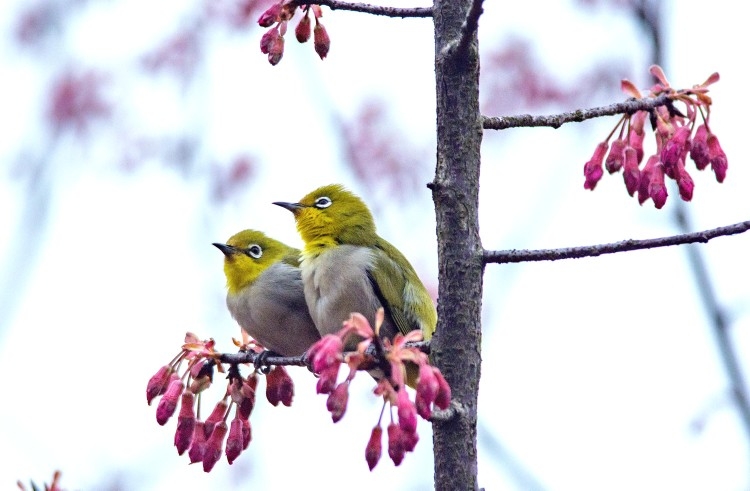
[[456, 345]]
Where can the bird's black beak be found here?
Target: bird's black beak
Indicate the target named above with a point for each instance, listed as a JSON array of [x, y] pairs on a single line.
[[293, 207], [226, 249]]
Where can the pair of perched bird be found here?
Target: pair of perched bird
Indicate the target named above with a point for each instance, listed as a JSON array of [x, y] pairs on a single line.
[[287, 299]]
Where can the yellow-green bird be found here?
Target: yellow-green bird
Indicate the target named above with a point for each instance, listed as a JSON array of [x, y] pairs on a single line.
[[265, 294], [347, 267]]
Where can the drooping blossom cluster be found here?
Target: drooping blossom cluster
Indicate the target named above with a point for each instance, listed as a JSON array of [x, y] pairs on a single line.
[[278, 16], [204, 439], [677, 136], [404, 365]]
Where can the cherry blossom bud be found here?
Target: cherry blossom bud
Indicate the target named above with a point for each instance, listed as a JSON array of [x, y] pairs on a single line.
[[185, 423], [200, 384], [217, 415], [593, 168], [270, 16], [214, 446], [407, 413], [279, 387], [276, 50], [443, 398], [247, 433], [337, 401], [168, 403], [396, 448], [684, 182], [699, 148], [374, 447], [616, 156], [157, 384], [717, 158], [198, 444], [303, 30], [675, 150], [321, 40], [268, 39], [235, 444], [245, 398], [657, 190], [409, 440], [637, 135], [427, 384], [327, 381], [630, 173], [326, 352], [645, 181]]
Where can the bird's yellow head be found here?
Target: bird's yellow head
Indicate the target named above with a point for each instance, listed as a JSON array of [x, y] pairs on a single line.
[[332, 215], [250, 252]]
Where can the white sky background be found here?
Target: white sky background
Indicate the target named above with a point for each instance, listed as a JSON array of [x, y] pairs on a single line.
[[594, 370]]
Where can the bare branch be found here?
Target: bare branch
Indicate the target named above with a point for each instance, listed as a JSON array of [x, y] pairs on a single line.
[[516, 256], [556, 120], [374, 9], [459, 47]]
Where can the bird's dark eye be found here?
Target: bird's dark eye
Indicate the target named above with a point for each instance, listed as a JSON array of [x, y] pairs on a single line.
[[323, 202], [254, 251]]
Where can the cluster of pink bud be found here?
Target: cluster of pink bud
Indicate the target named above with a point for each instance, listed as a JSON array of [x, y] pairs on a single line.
[[327, 356], [278, 16], [673, 131], [204, 440]]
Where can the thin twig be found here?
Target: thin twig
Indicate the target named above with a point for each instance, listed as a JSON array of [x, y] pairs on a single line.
[[556, 120], [516, 256], [459, 48], [374, 9]]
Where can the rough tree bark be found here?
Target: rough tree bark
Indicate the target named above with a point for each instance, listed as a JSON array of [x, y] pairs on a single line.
[[455, 190]]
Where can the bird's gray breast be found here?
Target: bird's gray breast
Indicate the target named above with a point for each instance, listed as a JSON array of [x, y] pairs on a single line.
[[336, 285]]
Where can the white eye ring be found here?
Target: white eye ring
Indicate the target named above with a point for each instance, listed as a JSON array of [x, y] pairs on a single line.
[[323, 202], [254, 250]]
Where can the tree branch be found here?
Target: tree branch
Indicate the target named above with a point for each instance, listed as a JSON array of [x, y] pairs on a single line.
[[556, 120], [373, 9], [516, 256], [301, 361], [459, 47]]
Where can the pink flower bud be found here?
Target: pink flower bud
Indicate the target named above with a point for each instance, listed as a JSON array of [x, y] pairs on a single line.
[[443, 398], [717, 158], [407, 413], [276, 50], [645, 181], [396, 450], [267, 40], [217, 415], [157, 384], [699, 148], [245, 396], [198, 444], [592, 170], [616, 156], [303, 30], [168, 403], [321, 40], [279, 387], [337, 401], [374, 447], [657, 190], [214, 446], [247, 433], [675, 150], [327, 381], [270, 16], [684, 183], [427, 384], [200, 384], [235, 444], [409, 440], [185, 423], [630, 173], [326, 352]]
